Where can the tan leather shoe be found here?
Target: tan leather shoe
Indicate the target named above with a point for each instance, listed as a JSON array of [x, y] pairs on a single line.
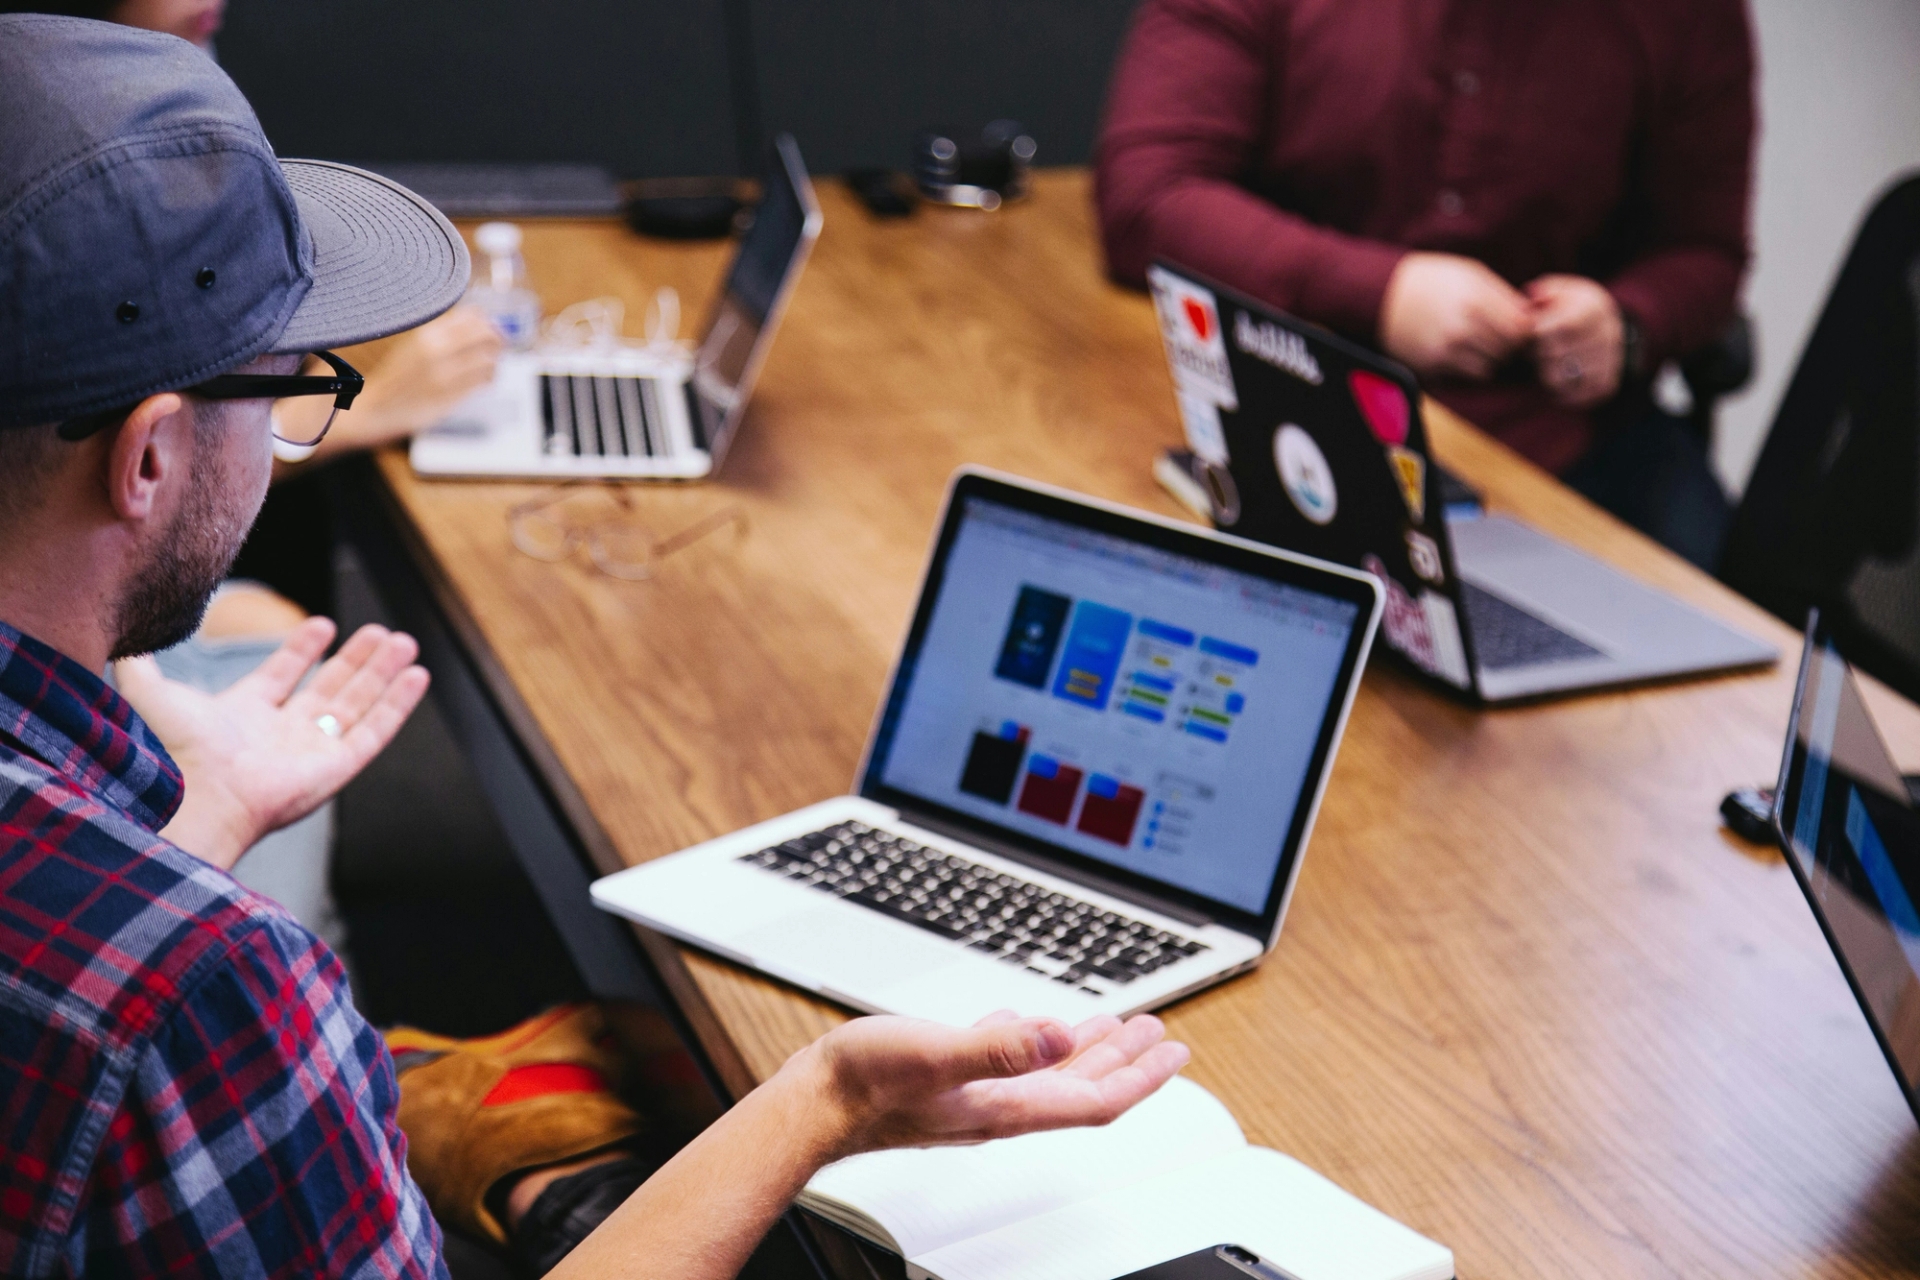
[[475, 1111]]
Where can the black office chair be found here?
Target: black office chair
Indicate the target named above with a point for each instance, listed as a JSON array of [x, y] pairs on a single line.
[[1718, 369], [1831, 515]]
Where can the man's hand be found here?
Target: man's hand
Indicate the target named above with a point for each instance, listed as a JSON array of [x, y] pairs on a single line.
[[875, 1082], [900, 1082], [1579, 339], [1449, 316], [260, 755]]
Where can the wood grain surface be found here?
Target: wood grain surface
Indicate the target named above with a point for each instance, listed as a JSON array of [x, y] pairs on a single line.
[[1531, 998]]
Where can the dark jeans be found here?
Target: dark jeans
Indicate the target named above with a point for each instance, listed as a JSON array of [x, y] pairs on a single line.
[[1654, 474]]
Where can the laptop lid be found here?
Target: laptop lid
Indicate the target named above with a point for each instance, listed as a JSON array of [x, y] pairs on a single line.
[[1847, 821], [1149, 704], [759, 283], [1316, 444]]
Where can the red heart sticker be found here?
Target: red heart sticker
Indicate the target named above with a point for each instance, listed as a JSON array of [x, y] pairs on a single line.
[[1198, 318], [1382, 403]]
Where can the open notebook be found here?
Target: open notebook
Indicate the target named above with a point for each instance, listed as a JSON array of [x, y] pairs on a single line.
[[1171, 1176]]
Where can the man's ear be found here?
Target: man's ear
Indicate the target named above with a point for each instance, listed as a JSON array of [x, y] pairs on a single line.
[[153, 443]]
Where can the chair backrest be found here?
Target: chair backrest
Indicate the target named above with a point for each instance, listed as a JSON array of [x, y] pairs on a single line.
[[1831, 515]]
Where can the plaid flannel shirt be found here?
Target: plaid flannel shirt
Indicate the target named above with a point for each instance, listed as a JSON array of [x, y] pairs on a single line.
[[185, 1086]]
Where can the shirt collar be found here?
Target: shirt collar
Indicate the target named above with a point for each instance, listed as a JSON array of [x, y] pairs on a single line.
[[71, 720]]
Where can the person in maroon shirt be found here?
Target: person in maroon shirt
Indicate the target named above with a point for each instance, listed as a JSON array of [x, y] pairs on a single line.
[[1531, 205]]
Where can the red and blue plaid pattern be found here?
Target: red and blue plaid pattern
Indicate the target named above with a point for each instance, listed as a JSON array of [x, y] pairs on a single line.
[[185, 1086]]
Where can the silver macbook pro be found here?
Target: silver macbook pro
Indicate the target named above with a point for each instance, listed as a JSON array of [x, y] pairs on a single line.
[[1310, 442], [636, 411], [1088, 787]]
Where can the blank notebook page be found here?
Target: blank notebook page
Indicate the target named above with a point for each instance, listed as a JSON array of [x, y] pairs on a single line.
[[1254, 1197], [931, 1196]]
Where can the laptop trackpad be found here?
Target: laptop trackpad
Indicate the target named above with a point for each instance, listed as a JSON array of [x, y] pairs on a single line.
[[848, 954]]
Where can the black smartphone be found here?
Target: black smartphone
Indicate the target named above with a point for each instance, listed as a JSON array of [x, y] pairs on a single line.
[[1222, 1262]]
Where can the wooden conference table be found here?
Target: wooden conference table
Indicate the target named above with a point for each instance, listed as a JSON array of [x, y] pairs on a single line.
[[1531, 998]]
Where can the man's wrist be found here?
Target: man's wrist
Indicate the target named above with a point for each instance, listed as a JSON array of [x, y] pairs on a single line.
[[201, 830], [816, 1107]]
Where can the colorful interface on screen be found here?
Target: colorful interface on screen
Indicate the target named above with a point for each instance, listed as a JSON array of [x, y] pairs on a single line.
[[1147, 709]]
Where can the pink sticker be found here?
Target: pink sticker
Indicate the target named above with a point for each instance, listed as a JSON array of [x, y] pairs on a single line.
[[1404, 621], [1382, 403]]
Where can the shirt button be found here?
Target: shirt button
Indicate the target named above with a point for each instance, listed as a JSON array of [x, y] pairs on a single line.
[[1452, 203], [1466, 82]]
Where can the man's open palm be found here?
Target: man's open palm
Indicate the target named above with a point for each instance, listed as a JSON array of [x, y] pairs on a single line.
[[916, 1083], [267, 751]]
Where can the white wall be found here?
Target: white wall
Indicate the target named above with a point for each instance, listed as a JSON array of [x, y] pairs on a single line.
[[1840, 115]]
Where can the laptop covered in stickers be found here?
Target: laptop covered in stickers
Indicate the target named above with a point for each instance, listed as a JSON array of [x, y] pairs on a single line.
[[1309, 442]]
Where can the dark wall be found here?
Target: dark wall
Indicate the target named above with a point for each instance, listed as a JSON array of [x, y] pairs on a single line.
[[652, 88], [853, 79], [637, 85]]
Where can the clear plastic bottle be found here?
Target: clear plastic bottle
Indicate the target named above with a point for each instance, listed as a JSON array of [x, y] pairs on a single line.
[[499, 285]]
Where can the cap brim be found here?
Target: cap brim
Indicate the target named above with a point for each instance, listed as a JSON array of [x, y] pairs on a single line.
[[384, 259]]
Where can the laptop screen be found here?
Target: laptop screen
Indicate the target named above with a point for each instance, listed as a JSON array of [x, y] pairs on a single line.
[[1854, 840], [785, 223], [1152, 712]]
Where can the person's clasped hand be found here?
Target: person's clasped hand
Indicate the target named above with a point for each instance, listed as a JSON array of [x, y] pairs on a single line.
[[1579, 339], [267, 751], [1449, 316]]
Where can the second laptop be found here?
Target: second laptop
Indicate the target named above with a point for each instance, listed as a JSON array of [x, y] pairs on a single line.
[[1315, 444]]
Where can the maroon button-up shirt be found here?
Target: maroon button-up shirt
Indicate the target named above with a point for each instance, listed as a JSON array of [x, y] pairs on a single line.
[[1297, 148]]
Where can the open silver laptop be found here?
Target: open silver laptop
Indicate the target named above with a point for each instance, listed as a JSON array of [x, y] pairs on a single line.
[[1315, 444], [638, 411], [1087, 790]]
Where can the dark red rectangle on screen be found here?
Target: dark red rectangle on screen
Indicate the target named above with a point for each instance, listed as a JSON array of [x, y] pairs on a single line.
[[1111, 817], [1049, 789]]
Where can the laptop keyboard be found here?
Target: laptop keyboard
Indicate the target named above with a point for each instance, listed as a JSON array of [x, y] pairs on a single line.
[[1506, 636], [602, 417], [1052, 934]]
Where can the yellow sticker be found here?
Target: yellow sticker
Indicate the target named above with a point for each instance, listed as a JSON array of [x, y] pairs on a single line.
[[1410, 469]]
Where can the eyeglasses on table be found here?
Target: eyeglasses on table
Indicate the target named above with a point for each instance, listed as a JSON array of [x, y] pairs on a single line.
[[620, 546]]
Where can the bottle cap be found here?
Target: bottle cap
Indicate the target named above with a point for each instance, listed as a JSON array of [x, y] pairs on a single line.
[[498, 238]]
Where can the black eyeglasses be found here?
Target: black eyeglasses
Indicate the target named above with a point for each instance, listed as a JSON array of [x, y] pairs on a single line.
[[343, 386]]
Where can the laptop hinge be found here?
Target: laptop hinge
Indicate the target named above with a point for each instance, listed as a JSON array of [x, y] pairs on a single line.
[[1184, 914]]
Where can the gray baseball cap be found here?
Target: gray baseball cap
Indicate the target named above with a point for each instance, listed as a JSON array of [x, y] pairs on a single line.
[[150, 239]]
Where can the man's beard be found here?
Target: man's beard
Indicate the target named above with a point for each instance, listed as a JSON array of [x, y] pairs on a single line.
[[166, 600]]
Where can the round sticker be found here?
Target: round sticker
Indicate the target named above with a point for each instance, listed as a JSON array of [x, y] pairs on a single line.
[[1304, 473]]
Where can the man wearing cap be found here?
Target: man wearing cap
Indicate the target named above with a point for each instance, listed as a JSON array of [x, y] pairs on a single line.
[[285, 570], [185, 1086]]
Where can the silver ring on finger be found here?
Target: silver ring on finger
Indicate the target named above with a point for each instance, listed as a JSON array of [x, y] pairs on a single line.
[[328, 724]]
